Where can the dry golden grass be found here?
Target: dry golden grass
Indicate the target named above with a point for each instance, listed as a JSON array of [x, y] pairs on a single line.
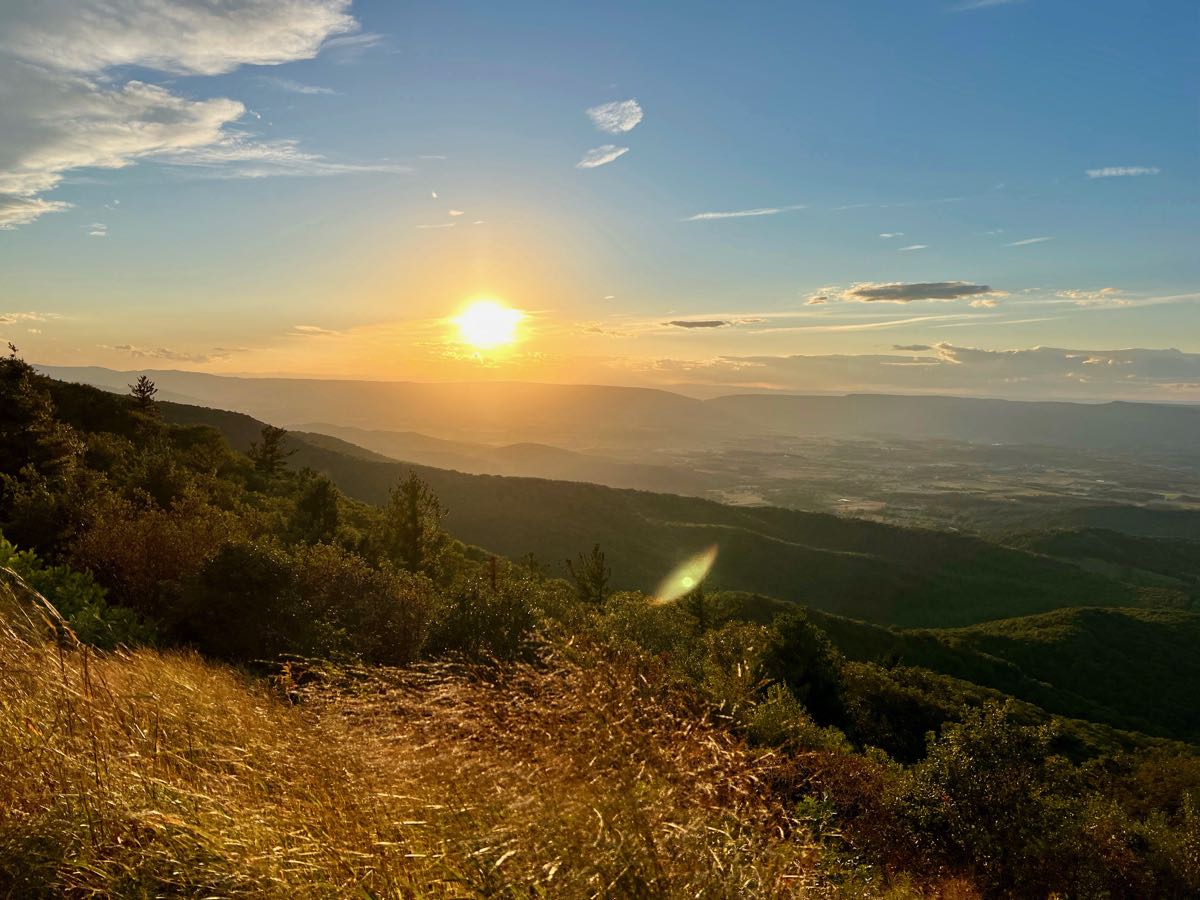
[[146, 774]]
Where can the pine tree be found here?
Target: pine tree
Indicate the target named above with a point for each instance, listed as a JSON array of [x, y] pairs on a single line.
[[413, 535], [143, 392], [269, 456], [316, 516], [590, 574]]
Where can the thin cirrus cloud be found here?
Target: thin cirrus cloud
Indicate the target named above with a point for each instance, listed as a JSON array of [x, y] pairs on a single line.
[[77, 108], [14, 318], [1123, 171], [741, 213], [1027, 241], [165, 353], [616, 118], [972, 5], [915, 247], [601, 156], [297, 87]]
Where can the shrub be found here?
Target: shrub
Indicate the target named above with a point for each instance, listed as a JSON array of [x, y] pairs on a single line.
[[246, 604], [78, 599], [485, 619], [380, 615]]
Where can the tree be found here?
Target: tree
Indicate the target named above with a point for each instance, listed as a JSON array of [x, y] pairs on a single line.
[[316, 517], [413, 538], [697, 604], [802, 657], [269, 455], [590, 574], [42, 480], [143, 393]]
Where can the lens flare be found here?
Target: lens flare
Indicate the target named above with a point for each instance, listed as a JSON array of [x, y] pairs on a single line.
[[686, 577]]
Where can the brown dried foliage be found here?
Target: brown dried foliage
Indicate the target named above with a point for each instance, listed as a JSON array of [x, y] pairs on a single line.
[[151, 774]]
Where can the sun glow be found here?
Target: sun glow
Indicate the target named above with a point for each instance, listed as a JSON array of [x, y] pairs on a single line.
[[486, 324]]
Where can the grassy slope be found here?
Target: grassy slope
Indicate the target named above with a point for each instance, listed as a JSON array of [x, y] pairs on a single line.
[[861, 569], [155, 774]]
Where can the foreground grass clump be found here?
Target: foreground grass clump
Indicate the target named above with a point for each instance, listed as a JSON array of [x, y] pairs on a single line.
[[141, 773]]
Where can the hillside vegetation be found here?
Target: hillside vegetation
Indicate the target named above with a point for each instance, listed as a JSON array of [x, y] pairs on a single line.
[[860, 569], [244, 682], [151, 774], [1133, 669]]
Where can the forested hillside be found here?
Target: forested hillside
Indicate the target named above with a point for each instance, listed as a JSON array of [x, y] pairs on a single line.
[[382, 707], [855, 568]]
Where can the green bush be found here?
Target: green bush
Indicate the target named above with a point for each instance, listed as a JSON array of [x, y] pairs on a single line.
[[78, 599], [485, 620]]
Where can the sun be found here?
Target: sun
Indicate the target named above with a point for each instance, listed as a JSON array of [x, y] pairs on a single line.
[[487, 324]]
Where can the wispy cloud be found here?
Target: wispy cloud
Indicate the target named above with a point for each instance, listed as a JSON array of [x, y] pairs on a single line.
[[1123, 171], [741, 213], [349, 47], [440, 225], [981, 4], [13, 318], [98, 229], [297, 87], [456, 212], [236, 154], [1109, 296], [1027, 241], [891, 234], [915, 247], [165, 353], [312, 331], [616, 118], [601, 156]]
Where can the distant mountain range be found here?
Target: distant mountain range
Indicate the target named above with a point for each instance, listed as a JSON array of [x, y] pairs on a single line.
[[606, 420], [526, 459]]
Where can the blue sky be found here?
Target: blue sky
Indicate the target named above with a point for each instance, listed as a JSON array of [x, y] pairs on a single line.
[[253, 191]]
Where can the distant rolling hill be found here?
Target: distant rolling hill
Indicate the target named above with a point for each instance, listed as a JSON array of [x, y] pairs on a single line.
[[595, 417], [1092, 426], [855, 568], [575, 416], [526, 459]]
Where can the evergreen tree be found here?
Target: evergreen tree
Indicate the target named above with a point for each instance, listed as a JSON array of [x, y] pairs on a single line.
[[590, 575], [316, 517], [413, 536], [269, 456], [143, 392]]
